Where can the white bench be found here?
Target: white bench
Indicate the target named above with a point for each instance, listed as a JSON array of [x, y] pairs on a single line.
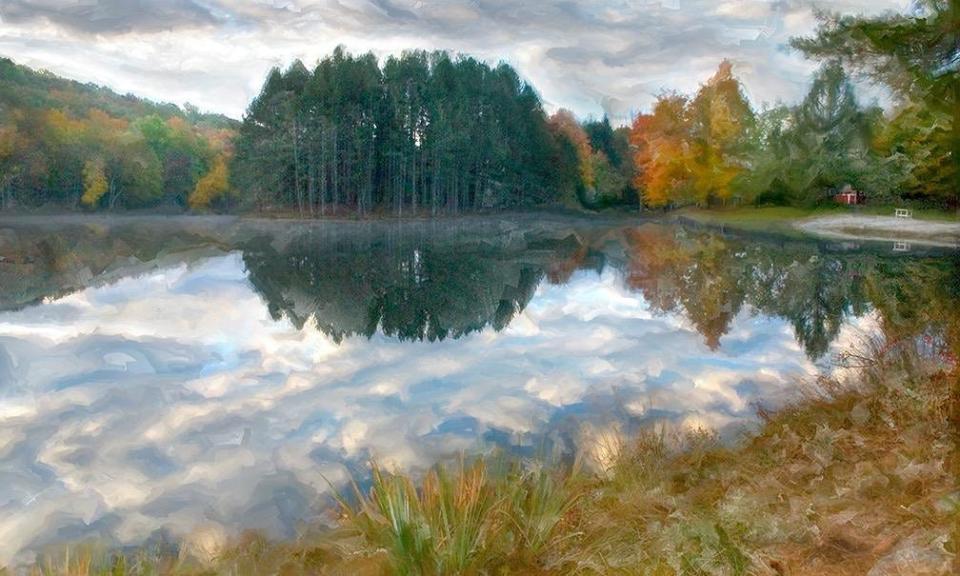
[[903, 213]]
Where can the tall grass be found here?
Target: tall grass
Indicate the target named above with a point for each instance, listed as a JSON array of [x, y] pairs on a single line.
[[855, 470], [466, 521], [440, 529]]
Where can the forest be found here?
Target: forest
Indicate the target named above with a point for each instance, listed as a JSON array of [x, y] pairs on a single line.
[[78, 145], [430, 133], [421, 132]]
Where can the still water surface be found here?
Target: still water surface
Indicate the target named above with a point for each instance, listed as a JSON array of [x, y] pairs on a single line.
[[159, 375]]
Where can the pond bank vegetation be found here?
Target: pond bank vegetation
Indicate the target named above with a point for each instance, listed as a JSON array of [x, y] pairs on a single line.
[[857, 476]]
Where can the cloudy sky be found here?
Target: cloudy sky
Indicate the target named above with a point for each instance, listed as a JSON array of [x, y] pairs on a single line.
[[592, 56]]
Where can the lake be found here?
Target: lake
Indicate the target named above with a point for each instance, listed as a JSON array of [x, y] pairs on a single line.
[[160, 374]]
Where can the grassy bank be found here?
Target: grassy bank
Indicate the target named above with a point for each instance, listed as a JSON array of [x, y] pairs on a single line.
[[855, 477], [780, 219]]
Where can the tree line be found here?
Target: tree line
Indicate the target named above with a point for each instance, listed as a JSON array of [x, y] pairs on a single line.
[[430, 133], [714, 148]]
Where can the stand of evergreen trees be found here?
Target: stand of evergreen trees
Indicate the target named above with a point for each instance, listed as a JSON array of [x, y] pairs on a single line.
[[422, 133]]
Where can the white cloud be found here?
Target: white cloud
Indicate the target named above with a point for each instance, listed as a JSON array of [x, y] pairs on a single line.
[[592, 57]]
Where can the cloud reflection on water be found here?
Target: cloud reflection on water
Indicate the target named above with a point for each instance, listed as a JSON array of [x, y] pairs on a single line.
[[174, 398]]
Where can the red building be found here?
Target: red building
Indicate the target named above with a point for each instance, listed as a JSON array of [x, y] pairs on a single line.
[[848, 196]]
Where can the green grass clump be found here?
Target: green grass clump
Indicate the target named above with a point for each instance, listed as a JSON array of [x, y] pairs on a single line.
[[442, 528], [465, 522]]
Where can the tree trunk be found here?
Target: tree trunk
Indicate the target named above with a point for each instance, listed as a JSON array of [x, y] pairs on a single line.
[[413, 176], [323, 173], [311, 182], [435, 183], [336, 169], [113, 194], [296, 168]]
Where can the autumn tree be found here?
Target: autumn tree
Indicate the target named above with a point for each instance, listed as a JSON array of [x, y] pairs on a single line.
[[9, 146], [565, 124], [94, 182], [720, 121], [63, 139], [662, 140], [213, 186]]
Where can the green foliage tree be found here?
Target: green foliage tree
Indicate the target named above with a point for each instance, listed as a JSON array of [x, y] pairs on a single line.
[[916, 144], [917, 55], [612, 162], [814, 149]]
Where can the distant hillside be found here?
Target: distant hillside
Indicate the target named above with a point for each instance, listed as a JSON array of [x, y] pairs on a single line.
[[24, 87], [73, 144]]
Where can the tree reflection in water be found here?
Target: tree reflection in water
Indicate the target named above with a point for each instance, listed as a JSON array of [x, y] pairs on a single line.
[[416, 288]]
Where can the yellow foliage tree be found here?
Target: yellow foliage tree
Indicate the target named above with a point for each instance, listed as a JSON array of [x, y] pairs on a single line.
[[8, 147], [63, 129], [720, 117], [213, 185], [8, 141], [94, 182], [714, 172]]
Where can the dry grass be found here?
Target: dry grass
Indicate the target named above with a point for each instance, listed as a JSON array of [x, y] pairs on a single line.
[[853, 475]]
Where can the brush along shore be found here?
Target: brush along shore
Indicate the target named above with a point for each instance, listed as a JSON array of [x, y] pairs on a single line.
[[854, 477]]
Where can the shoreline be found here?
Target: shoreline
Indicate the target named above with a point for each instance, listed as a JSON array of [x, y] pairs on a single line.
[[942, 234]]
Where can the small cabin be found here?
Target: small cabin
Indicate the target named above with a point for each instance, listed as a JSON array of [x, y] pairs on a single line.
[[848, 196]]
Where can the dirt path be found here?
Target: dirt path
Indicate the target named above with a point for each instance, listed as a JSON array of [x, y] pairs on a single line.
[[856, 227]]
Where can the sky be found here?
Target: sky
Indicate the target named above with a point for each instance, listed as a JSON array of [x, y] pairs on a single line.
[[594, 57], [172, 399]]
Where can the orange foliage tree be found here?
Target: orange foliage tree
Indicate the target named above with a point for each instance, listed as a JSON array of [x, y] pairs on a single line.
[[693, 150], [662, 143]]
